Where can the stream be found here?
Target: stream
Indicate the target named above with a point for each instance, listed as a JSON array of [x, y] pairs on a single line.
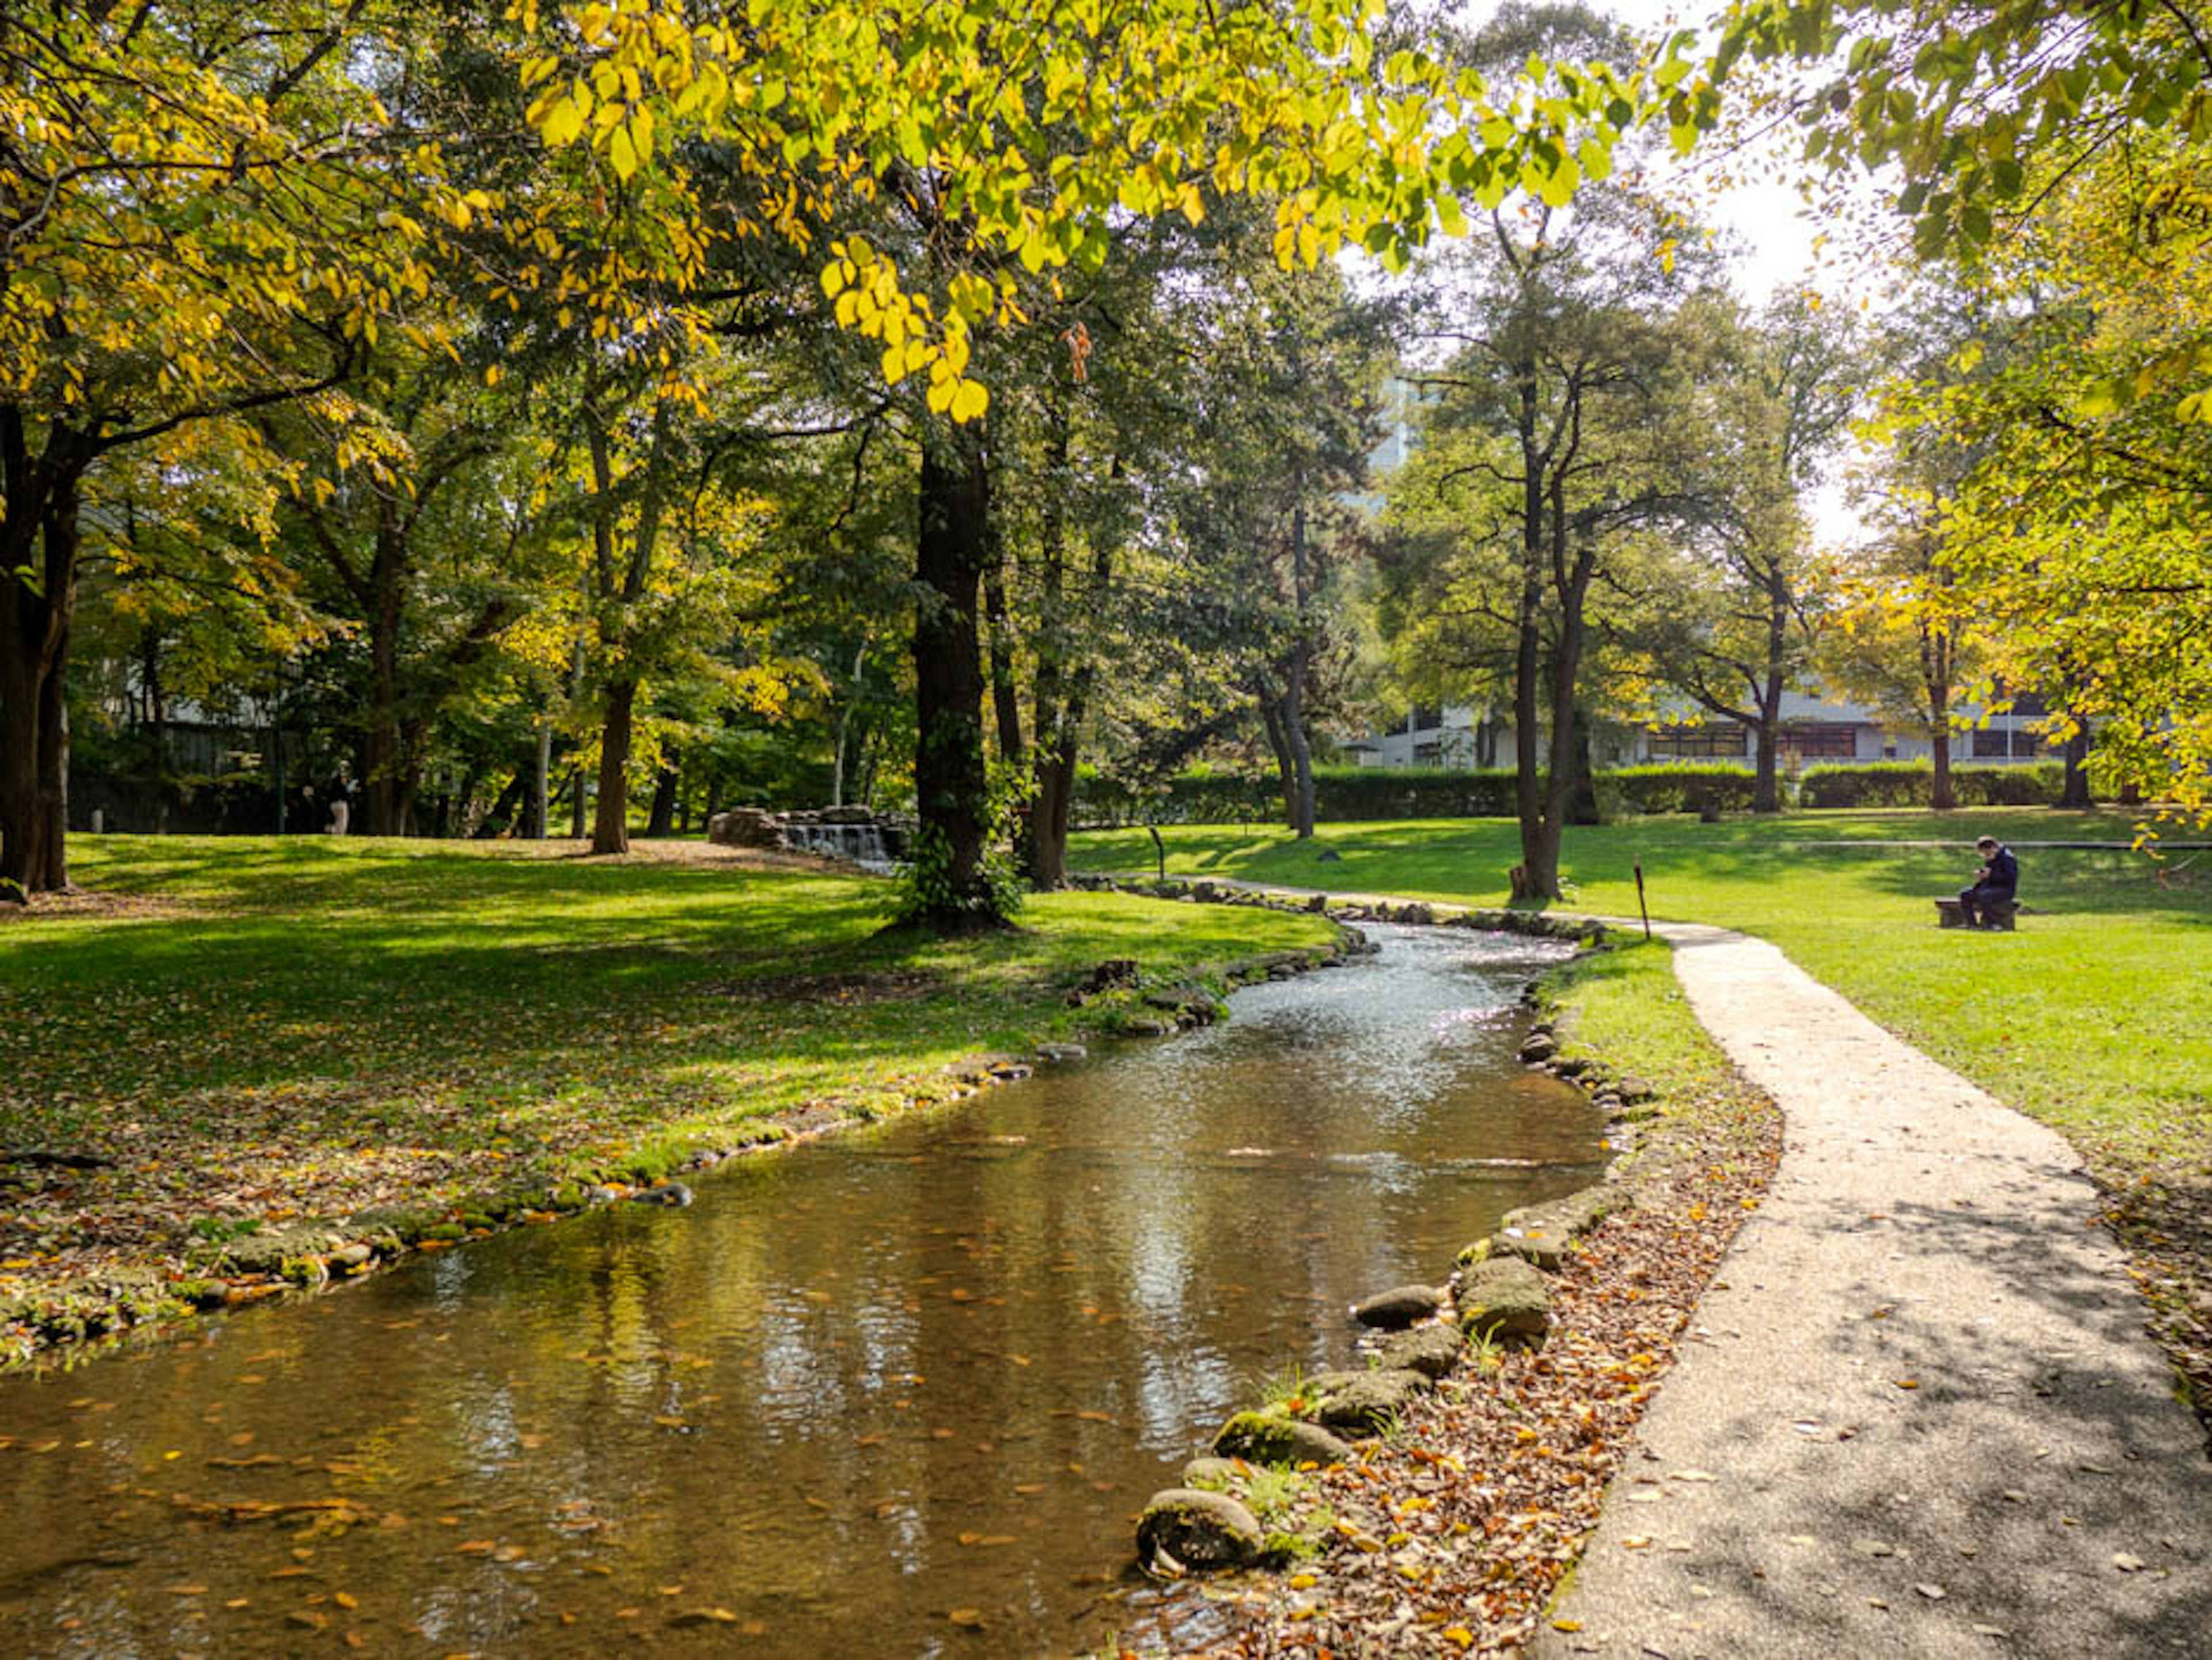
[[897, 1392]]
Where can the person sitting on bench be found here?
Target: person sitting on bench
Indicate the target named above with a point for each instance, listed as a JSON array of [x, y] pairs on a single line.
[[1992, 896]]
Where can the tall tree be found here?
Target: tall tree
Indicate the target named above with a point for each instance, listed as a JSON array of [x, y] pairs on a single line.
[[149, 155], [1777, 396]]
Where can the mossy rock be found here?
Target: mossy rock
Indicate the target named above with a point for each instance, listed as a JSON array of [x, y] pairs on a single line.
[[1539, 1247], [1363, 1402], [1268, 1437], [1576, 1213], [568, 1195], [1203, 1532], [1505, 1300], [1399, 1307], [449, 1231], [1431, 1350], [1211, 1473], [271, 1250]]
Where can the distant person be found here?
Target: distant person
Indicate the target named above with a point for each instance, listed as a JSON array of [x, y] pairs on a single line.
[[341, 806], [1994, 887]]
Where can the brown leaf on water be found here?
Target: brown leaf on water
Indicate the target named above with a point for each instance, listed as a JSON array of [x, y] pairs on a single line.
[[714, 1616], [971, 1618]]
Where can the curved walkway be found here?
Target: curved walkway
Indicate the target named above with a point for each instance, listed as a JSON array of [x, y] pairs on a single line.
[[1919, 1415]]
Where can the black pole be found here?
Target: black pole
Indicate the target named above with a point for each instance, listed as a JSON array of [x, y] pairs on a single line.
[[1640, 905], [1159, 851]]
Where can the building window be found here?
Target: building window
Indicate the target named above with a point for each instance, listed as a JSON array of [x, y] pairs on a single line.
[[1428, 720], [1699, 743], [1992, 744], [1428, 754], [1823, 740]]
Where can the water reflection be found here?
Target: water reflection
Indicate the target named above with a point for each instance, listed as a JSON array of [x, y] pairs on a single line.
[[899, 1394]]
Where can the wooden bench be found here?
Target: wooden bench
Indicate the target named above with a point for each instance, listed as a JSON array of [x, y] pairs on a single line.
[[1950, 914]]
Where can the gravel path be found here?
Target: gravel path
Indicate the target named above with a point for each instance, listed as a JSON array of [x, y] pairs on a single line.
[[1920, 1415]]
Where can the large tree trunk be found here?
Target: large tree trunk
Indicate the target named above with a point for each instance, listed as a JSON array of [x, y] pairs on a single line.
[[38, 531], [611, 823], [950, 786]]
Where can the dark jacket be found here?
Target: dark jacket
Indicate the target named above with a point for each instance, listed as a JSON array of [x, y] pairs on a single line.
[[2001, 874]]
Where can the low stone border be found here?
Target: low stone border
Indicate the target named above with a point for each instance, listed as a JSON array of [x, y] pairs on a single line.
[[62, 1327]]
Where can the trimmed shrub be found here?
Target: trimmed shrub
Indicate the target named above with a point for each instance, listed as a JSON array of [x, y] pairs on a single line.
[[1912, 784], [1677, 787]]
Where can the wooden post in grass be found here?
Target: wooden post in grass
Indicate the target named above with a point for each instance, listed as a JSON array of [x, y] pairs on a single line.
[[1640, 905]]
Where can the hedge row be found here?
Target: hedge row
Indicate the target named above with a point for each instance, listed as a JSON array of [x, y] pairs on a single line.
[[1343, 795], [1912, 784]]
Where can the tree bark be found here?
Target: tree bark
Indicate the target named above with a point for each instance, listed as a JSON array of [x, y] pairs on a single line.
[[1766, 789], [1294, 692], [541, 788], [2074, 793], [39, 533], [952, 787], [666, 783], [610, 822], [1061, 696], [1005, 702]]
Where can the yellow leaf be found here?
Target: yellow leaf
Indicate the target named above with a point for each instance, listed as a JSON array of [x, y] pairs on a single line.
[[969, 401], [622, 155], [563, 121]]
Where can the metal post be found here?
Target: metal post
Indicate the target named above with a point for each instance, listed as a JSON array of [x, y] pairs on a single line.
[[1640, 905]]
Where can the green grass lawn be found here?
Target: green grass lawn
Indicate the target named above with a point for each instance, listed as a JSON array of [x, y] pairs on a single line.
[[256, 1026], [2095, 1016]]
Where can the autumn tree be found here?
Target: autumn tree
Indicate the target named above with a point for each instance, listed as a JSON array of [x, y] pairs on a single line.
[[206, 211], [1013, 136], [1744, 611]]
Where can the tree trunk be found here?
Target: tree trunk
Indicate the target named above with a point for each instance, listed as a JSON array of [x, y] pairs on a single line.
[[1942, 798], [1582, 794], [665, 784], [950, 785], [2076, 792], [1537, 876], [1294, 694], [1005, 702], [577, 821], [1766, 790], [1060, 696], [39, 530], [1286, 766], [386, 792], [611, 823], [541, 789]]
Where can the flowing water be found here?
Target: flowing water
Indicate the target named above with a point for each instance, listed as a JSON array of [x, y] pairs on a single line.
[[899, 1392]]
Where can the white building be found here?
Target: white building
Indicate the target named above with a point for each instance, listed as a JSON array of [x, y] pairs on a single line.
[[1812, 730]]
